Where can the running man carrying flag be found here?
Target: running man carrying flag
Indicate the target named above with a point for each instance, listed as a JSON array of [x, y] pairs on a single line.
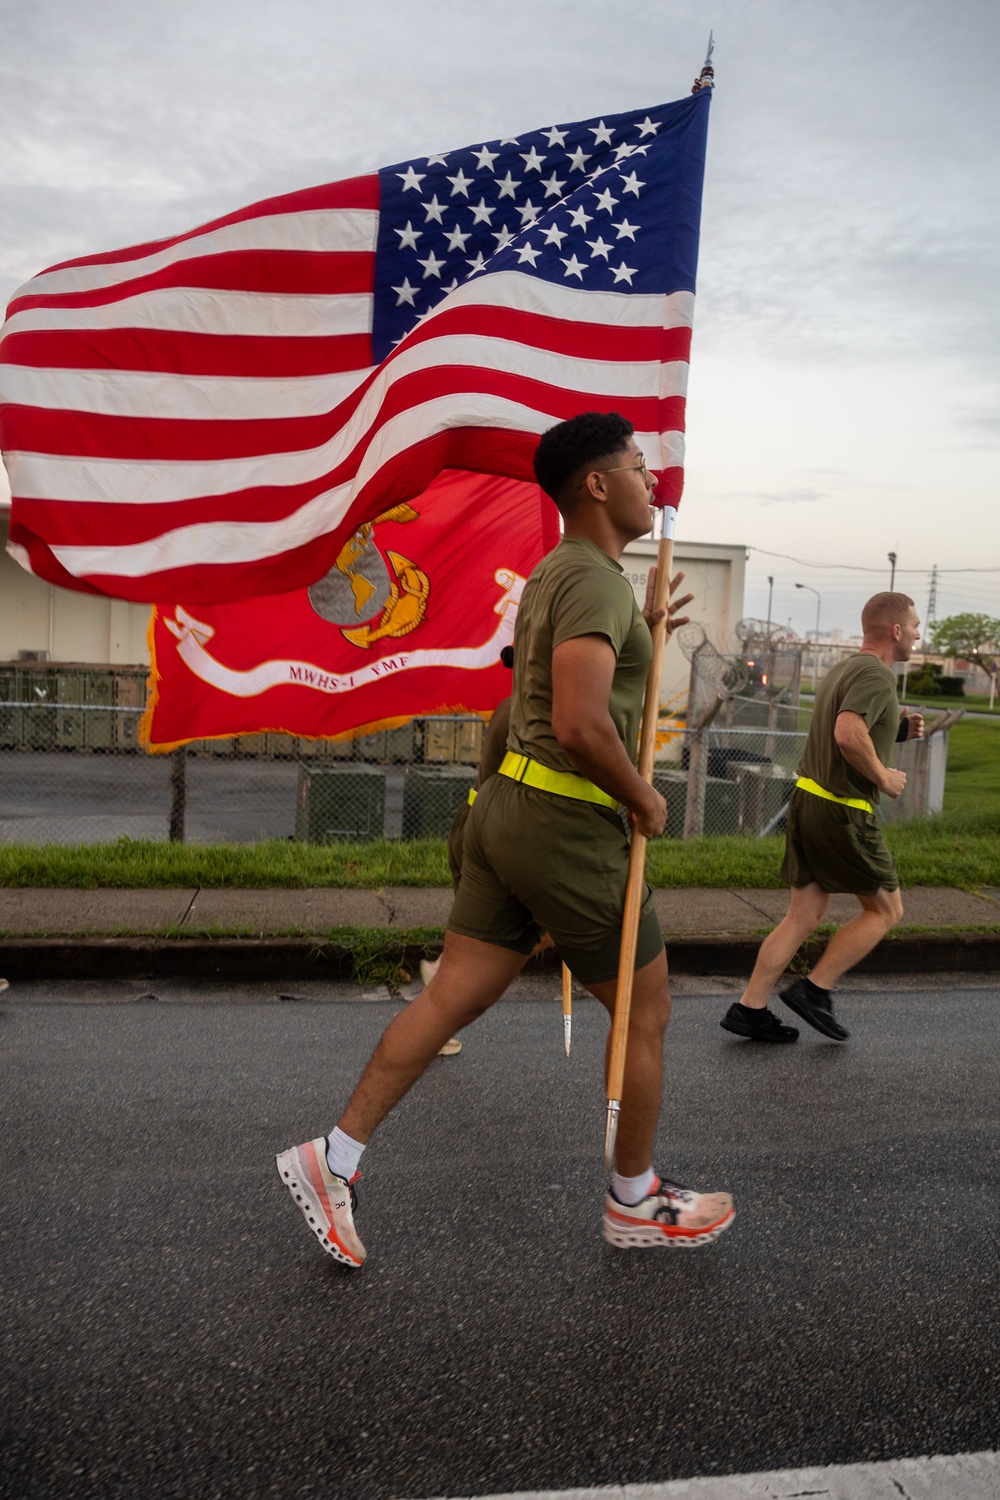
[[545, 850]]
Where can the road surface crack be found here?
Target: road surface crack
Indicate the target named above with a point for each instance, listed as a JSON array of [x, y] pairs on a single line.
[[190, 907], [767, 916]]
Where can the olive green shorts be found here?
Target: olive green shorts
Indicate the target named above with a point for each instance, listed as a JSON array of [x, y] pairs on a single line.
[[836, 847], [534, 862], [456, 843]]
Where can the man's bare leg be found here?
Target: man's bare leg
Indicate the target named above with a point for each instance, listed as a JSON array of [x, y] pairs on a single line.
[[642, 1088], [806, 911], [320, 1174], [471, 977], [852, 942], [652, 1213]]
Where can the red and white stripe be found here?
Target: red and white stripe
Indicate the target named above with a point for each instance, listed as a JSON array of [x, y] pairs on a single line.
[[200, 418]]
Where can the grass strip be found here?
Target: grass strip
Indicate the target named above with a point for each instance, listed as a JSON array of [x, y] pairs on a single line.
[[972, 783], [279, 864], [959, 849], [904, 930], [978, 703]]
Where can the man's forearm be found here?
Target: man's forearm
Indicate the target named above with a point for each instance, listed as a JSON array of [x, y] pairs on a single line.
[[859, 752], [598, 753]]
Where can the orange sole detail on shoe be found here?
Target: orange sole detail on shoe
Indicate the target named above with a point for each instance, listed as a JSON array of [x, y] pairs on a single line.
[[307, 1201], [341, 1251], [626, 1233]]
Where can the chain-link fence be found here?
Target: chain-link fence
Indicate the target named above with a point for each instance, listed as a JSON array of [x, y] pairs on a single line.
[[71, 771], [727, 779]]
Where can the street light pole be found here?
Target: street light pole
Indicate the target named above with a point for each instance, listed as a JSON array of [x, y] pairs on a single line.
[[770, 596], [892, 575], [818, 603]]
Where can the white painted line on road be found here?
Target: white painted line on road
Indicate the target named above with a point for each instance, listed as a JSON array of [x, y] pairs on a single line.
[[961, 1476]]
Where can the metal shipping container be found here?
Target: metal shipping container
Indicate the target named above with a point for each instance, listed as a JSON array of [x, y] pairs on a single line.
[[764, 792], [337, 803], [70, 716], [98, 722], [431, 798]]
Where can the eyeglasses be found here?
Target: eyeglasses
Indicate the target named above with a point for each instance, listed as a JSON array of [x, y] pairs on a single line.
[[639, 468]]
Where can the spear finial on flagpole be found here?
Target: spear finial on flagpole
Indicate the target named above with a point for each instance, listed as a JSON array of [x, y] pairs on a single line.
[[706, 78]]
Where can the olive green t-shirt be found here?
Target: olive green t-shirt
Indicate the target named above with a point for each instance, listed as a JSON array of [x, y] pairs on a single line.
[[576, 590], [860, 685], [494, 743]]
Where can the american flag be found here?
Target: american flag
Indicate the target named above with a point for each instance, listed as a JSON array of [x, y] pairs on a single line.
[[210, 417]]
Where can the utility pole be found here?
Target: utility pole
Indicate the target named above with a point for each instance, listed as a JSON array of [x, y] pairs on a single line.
[[818, 603], [932, 597], [770, 596], [892, 575]]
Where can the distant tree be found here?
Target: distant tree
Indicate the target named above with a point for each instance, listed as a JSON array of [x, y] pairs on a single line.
[[976, 638]]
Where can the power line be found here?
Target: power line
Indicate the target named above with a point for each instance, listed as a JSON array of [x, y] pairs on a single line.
[[804, 562]]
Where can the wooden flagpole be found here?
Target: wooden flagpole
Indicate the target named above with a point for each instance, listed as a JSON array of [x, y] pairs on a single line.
[[664, 529], [666, 517]]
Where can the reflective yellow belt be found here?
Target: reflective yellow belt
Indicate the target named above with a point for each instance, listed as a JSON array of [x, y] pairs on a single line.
[[821, 791], [562, 783]]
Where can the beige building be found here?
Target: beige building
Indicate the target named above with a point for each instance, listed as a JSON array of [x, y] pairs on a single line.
[[715, 574], [54, 624]]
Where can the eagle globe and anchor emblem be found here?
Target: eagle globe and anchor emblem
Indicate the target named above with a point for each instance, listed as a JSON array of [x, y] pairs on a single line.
[[370, 597], [363, 597]]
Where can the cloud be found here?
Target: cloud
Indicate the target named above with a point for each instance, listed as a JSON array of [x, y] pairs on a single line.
[[788, 497], [791, 496], [985, 422]]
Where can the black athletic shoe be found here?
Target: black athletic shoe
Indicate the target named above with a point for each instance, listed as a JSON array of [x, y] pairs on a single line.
[[806, 1002], [758, 1025]]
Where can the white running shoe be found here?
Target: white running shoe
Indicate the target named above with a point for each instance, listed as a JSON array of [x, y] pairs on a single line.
[[670, 1218], [326, 1201], [428, 968]]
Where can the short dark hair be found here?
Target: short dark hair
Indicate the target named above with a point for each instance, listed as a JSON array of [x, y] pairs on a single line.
[[578, 444], [883, 611]]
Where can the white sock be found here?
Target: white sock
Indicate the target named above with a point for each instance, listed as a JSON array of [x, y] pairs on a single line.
[[632, 1190], [342, 1154]]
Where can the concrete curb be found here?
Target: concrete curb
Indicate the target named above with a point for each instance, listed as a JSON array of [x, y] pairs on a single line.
[[288, 959]]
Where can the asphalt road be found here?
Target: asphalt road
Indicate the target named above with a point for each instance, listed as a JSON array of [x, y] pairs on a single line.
[[169, 1327]]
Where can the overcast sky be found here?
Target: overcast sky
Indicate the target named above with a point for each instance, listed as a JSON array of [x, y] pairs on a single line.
[[845, 373]]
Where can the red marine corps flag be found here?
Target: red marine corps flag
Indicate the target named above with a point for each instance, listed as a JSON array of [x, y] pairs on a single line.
[[231, 414], [411, 619]]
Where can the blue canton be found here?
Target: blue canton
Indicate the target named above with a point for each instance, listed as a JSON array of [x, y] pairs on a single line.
[[610, 205]]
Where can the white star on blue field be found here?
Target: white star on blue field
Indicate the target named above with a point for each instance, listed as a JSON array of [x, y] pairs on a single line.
[[570, 215]]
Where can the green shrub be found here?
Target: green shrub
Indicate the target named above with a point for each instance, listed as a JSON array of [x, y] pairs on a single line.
[[924, 681]]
